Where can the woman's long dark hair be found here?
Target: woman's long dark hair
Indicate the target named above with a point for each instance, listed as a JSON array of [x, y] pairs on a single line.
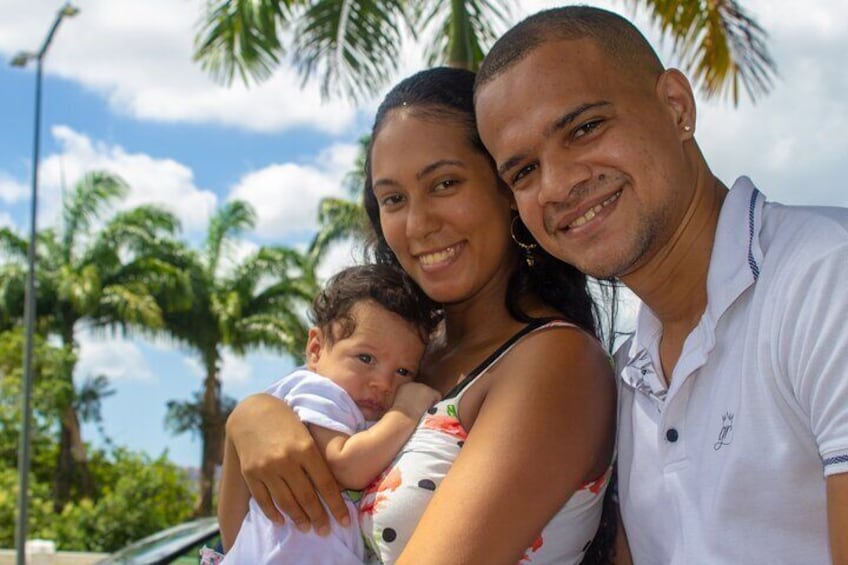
[[448, 94]]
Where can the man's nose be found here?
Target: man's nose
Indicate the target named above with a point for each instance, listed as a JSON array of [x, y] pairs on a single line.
[[559, 177]]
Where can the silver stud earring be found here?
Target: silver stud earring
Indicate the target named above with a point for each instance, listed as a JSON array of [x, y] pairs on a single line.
[[687, 129]]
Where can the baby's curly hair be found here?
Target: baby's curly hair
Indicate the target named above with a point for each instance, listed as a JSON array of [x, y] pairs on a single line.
[[386, 285]]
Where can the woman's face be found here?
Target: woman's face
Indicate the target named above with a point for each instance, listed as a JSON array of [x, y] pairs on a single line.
[[442, 211]]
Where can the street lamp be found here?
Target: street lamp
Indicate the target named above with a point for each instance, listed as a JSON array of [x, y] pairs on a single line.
[[21, 60]]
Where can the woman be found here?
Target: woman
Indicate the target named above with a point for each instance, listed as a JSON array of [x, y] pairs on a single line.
[[513, 463]]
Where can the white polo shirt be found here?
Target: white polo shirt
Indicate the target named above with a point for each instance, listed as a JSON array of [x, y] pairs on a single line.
[[728, 464]]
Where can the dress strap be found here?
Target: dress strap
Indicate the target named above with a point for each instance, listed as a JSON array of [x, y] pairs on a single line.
[[503, 349]]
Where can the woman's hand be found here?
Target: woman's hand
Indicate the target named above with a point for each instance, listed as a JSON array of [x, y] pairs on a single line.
[[280, 463]]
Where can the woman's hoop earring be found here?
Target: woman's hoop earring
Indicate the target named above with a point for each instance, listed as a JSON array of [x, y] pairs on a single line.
[[526, 248]]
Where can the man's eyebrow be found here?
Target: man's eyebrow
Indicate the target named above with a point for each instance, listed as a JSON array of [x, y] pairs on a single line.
[[567, 119], [561, 123]]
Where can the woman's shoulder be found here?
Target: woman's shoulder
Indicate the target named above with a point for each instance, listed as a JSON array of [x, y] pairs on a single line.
[[557, 347]]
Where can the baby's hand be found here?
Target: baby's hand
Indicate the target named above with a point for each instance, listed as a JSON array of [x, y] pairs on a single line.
[[413, 399]]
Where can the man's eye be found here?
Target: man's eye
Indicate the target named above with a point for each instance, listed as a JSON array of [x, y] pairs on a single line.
[[587, 128], [366, 358], [522, 172]]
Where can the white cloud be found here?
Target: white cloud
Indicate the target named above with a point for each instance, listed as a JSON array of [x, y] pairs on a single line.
[[7, 221], [138, 56], [343, 254], [116, 358], [234, 369], [160, 181], [286, 195], [12, 191]]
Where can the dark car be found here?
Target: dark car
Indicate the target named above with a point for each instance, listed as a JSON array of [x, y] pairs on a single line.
[[180, 545]]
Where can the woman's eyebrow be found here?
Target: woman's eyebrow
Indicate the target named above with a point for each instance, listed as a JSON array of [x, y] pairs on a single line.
[[438, 164]]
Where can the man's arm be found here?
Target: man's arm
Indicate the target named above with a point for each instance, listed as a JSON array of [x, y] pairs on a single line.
[[357, 459], [837, 517]]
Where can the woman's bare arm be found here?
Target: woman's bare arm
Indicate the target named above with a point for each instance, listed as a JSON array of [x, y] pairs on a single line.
[[546, 426], [279, 461]]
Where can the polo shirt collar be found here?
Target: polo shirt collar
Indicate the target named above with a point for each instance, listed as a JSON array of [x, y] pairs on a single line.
[[734, 266]]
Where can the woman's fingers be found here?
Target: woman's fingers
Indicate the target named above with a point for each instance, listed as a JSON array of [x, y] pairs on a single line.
[[325, 483]]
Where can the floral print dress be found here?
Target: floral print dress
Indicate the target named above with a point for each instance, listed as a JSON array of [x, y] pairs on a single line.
[[394, 503]]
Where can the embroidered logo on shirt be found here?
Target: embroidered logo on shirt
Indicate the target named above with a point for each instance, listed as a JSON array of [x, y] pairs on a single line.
[[725, 436]]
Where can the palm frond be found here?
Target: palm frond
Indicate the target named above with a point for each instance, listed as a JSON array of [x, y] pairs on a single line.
[[12, 244], [338, 219], [241, 37], [230, 220], [718, 44], [84, 204], [128, 305], [465, 31], [353, 46]]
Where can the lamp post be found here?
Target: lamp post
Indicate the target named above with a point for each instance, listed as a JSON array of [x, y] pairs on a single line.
[[21, 60]]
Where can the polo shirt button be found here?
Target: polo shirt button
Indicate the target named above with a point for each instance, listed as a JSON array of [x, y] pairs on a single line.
[[671, 435]]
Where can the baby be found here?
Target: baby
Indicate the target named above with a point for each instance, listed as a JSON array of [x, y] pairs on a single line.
[[357, 396]]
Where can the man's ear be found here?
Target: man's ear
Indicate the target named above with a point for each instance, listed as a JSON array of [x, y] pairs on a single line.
[[314, 347], [674, 90]]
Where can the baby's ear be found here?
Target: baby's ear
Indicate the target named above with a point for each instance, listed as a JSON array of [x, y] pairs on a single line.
[[314, 345]]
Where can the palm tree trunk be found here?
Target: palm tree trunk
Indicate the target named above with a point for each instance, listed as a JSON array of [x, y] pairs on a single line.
[[212, 432], [460, 53], [72, 464]]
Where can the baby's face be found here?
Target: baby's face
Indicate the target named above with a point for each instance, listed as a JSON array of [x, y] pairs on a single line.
[[382, 353]]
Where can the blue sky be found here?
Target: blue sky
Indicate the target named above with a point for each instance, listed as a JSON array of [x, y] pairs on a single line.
[[121, 93]]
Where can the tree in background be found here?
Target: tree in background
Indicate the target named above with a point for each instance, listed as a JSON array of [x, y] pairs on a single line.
[[133, 495], [340, 218], [243, 304], [106, 271], [354, 46]]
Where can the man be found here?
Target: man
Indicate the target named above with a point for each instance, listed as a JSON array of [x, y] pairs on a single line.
[[733, 417]]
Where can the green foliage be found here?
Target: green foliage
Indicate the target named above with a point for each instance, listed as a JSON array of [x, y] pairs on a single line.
[[353, 46], [135, 497]]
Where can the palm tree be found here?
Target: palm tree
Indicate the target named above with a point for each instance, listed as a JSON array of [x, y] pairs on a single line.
[[353, 46], [340, 218], [241, 305], [106, 274]]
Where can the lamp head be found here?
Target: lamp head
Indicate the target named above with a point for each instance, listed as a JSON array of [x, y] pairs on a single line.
[[22, 58], [69, 10]]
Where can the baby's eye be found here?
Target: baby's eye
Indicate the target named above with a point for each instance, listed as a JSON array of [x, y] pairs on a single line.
[[366, 358], [404, 372]]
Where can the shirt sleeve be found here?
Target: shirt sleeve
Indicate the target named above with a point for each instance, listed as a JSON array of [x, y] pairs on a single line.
[[317, 400], [813, 352]]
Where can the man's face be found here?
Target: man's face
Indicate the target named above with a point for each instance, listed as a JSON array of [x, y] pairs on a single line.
[[594, 154]]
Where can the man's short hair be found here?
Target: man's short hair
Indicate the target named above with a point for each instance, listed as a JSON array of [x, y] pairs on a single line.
[[615, 35]]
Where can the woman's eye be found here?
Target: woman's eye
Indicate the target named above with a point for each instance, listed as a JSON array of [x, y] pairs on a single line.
[[366, 358], [391, 200], [446, 184]]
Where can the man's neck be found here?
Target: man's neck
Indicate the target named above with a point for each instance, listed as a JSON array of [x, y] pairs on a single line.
[[673, 283]]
